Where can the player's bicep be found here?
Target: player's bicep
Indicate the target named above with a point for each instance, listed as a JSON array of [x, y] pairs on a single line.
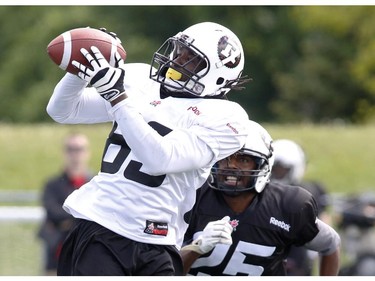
[[326, 241]]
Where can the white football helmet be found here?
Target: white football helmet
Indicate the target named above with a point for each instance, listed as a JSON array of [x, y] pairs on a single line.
[[259, 147], [219, 50], [290, 158]]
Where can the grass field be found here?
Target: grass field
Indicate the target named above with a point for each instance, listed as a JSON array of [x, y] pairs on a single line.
[[341, 157], [20, 250]]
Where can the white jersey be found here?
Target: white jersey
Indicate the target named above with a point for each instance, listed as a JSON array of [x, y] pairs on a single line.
[[158, 153]]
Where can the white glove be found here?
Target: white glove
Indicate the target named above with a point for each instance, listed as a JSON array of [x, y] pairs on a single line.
[[215, 232], [108, 80], [119, 61]]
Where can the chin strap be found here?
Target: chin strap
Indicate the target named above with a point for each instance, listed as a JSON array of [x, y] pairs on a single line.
[[165, 93]]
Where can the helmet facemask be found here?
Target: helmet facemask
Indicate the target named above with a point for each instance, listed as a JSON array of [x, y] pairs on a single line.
[[180, 77], [233, 180], [251, 171]]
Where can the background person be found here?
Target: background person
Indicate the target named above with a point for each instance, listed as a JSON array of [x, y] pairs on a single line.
[[355, 216], [75, 173]]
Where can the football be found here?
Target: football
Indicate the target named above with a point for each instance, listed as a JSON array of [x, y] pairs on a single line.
[[66, 47]]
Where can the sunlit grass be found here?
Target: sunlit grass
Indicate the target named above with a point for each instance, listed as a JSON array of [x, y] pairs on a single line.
[[342, 157], [21, 252], [31, 153]]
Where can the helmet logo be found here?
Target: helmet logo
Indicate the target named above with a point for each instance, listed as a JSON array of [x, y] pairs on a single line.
[[229, 53], [185, 38]]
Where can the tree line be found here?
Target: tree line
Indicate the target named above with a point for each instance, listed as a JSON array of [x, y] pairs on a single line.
[[311, 64]]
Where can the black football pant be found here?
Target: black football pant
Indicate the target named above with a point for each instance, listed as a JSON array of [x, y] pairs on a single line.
[[92, 250]]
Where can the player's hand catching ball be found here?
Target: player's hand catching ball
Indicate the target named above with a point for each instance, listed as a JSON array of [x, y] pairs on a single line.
[[108, 80]]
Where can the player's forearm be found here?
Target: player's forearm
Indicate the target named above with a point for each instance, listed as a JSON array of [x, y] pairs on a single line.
[[330, 264], [65, 97], [188, 258], [73, 103]]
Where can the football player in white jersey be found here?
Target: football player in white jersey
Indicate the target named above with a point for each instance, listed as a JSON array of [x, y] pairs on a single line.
[[171, 124]]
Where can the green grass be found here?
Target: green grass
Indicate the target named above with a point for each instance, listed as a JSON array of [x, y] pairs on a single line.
[[339, 156], [20, 250], [32, 153]]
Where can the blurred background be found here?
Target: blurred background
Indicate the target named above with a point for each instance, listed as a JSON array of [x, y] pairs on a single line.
[[313, 70]]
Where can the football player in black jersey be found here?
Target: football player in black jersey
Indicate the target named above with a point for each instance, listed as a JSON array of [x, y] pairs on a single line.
[[242, 224]]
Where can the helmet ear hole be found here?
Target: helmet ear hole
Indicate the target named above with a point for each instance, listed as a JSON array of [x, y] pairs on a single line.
[[220, 81]]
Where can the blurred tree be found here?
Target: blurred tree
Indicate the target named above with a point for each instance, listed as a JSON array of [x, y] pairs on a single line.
[[332, 77], [308, 63], [27, 76]]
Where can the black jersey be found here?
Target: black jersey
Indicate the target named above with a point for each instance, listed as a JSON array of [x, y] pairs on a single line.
[[279, 217]]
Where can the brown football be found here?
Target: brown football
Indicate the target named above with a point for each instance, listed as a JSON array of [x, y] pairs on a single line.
[[66, 47]]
